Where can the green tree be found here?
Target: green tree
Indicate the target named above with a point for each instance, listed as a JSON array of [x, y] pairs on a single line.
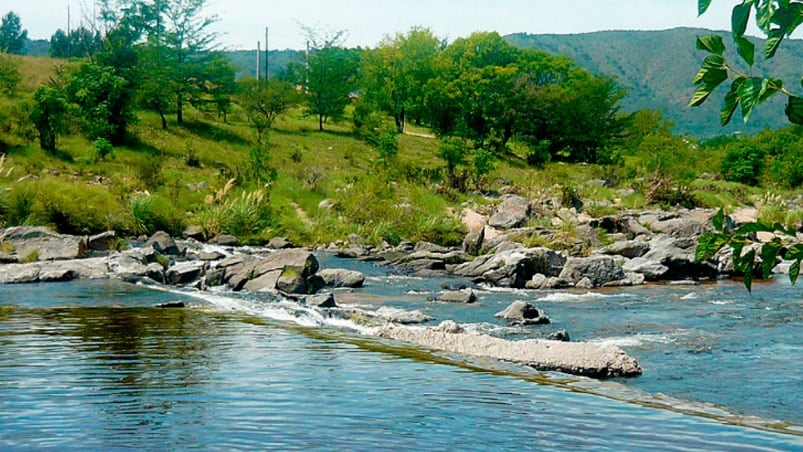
[[394, 74], [50, 115], [12, 36], [10, 75], [264, 102], [80, 43]]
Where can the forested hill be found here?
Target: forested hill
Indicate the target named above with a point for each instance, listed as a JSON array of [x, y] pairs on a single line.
[[657, 67]]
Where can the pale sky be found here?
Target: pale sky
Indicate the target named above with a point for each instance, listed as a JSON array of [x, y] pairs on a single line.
[[242, 22]]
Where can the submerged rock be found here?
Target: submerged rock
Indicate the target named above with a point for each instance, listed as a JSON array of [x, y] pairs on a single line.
[[523, 313], [579, 358]]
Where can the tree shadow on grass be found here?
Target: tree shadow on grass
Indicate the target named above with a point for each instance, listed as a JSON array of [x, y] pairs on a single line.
[[211, 132]]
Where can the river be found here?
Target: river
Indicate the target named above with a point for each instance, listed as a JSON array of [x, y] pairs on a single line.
[[93, 365]]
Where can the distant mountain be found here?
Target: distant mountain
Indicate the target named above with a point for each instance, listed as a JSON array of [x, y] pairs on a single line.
[[245, 61], [657, 68]]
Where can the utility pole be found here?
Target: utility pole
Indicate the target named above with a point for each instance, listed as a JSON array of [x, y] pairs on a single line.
[[69, 38], [259, 55], [267, 74]]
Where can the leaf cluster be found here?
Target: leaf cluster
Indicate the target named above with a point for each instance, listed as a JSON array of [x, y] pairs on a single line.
[[744, 255]]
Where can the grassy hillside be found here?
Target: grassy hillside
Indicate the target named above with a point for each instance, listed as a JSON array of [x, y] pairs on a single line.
[[197, 174], [657, 67]]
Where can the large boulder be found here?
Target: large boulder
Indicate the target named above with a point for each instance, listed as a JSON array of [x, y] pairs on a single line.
[[163, 243], [339, 277], [600, 270], [523, 313], [44, 243], [670, 258], [512, 212], [466, 296], [513, 268], [628, 248], [185, 272]]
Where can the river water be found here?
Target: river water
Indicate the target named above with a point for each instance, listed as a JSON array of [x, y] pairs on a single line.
[[93, 365]]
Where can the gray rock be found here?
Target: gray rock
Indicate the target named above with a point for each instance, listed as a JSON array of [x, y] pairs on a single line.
[[280, 243], [48, 244], [598, 269], [512, 212], [450, 326], [472, 244], [226, 240], [560, 335], [58, 274], [6, 258], [185, 272], [195, 233], [513, 268], [628, 248], [211, 255], [651, 270], [338, 277], [261, 283], [584, 283], [401, 316], [128, 265], [19, 273], [292, 281], [163, 243], [523, 313], [458, 296], [431, 248], [157, 273], [326, 300], [102, 241]]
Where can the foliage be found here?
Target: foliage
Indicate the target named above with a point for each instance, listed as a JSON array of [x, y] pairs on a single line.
[[665, 192], [80, 43], [453, 151], [10, 76], [259, 170], [151, 213], [745, 247], [49, 115], [263, 102], [776, 19], [12, 36], [103, 148], [743, 163]]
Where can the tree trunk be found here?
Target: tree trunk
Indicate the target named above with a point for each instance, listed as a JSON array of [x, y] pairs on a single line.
[[320, 123], [164, 120], [180, 108]]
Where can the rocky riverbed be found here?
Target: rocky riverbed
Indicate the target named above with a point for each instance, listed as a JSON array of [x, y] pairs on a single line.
[[646, 247]]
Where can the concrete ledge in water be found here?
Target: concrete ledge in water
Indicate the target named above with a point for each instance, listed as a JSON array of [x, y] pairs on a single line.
[[578, 358]]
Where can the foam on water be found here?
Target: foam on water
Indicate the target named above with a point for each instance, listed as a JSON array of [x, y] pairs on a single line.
[[577, 297], [632, 341]]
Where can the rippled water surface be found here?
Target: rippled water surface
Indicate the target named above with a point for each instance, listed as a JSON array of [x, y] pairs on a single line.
[[93, 365]]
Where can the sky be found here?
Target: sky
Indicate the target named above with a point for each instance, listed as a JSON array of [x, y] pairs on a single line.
[[242, 22]]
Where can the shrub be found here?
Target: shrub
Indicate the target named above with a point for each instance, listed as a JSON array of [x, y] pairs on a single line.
[[151, 213], [103, 148], [743, 163], [664, 192]]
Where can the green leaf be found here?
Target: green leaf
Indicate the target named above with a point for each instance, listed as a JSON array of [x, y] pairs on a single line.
[[750, 92], [769, 257], [774, 39], [719, 220], [795, 252], [794, 271], [702, 6], [711, 63], [747, 50], [774, 85], [794, 110], [739, 19], [700, 95], [753, 227], [712, 43], [708, 245], [731, 102], [788, 17], [748, 264]]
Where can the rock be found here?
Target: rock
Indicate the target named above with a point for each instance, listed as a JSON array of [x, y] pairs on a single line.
[[127, 266], [172, 305], [424, 264], [211, 256], [292, 281], [537, 282], [598, 269], [102, 241], [44, 242], [512, 212], [584, 283], [326, 300], [628, 248], [185, 272], [156, 272], [163, 243], [449, 326], [226, 240], [19, 273], [280, 243], [327, 204], [338, 277], [579, 358], [351, 253], [560, 335], [523, 313], [458, 296], [473, 221], [195, 233], [428, 247], [6, 258], [472, 243], [401, 316], [670, 258], [651, 270], [513, 268], [261, 283]]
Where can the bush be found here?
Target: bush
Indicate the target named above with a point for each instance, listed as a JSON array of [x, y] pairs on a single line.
[[152, 213], [103, 148], [743, 163], [664, 192]]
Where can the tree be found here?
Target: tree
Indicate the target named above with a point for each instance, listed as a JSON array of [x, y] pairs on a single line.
[[263, 102], [394, 74], [12, 36], [10, 76], [80, 43], [50, 115]]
